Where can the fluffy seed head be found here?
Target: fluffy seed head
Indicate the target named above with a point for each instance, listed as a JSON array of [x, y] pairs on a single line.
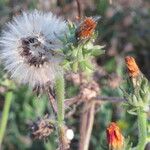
[[30, 47]]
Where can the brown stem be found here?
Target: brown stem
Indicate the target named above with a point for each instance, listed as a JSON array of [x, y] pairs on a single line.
[[64, 143], [77, 99], [110, 1], [79, 9], [87, 121], [52, 101], [71, 101]]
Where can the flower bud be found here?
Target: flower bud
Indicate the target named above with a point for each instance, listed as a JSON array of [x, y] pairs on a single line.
[[114, 137], [133, 68], [86, 28]]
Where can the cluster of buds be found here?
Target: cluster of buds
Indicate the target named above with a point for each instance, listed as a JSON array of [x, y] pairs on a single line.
[[138, 96]]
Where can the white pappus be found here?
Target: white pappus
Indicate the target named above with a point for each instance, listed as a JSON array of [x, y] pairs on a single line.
[[30, 47]]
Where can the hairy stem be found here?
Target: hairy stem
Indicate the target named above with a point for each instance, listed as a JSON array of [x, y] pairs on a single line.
[[59, 89], [142, 127], [5, 114]]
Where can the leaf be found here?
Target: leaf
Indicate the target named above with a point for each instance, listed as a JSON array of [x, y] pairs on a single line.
[[82, 65], [97, 52], [75, 66], [127, 144], [132, 111], [89, 65]]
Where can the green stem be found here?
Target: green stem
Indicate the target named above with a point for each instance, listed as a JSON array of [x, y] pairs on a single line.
[[59, 89], [142, 127], [5, 114]]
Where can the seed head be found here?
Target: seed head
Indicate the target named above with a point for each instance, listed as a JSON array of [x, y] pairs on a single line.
[[30, 47]]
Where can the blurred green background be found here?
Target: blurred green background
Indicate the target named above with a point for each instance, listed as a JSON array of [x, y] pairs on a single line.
[[123, 29]]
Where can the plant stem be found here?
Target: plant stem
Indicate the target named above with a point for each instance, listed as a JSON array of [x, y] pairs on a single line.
[[142, 127], [52, 101], [87, 121], [59, 89], [5, 114]]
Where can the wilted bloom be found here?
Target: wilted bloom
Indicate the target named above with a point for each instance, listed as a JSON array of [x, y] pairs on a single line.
[[133, 69], [29, 47], [86, 28], [89, 90], [114, 137], [42, 128]]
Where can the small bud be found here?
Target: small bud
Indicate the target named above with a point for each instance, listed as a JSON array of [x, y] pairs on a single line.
[[114, 137]]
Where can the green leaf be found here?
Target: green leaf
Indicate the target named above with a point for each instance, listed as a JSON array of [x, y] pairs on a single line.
[[97, 52], [132, 111], [75, 66], [89, 65], [82, 65]]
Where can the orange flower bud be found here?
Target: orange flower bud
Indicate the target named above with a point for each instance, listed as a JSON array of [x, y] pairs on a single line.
[[114, 137], [86, 28], [133, 68]]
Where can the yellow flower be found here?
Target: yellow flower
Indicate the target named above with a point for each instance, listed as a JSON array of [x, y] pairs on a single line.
[[133, 68], [114, 137]]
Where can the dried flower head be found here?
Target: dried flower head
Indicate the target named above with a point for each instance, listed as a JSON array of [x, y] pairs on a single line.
[[133, 68], [30, 47], [42, 128], [114, 137], [86, 28], [89, 90]]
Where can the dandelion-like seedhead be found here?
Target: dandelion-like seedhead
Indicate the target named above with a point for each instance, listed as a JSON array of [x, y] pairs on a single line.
[[30, 47]]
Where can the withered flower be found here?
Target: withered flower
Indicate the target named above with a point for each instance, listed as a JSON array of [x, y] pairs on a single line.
[[86, 28], [133, 68], [42, 128], [114, 137], [89, 90]]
